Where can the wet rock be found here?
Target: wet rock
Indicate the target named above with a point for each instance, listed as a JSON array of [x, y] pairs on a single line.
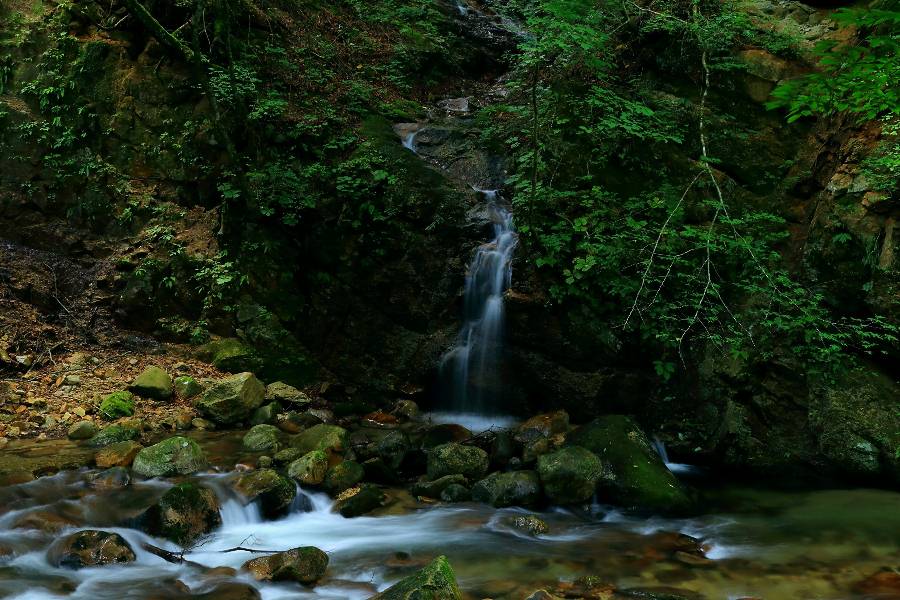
[[456, 459], [114, 478], [82, 430], [286, 394], [359, 500], [89, 548], [303, 565], [570, 475], [287, 456], [456, 493], [310, 468], [321, 437], [641, 479], [406, 409], [186, 386], [445, 434], [230, 355], [231, 400], [230, 591], [117, 405], [530, 524], [542, 595], [45, 521], [174, 456], [433, 489], [434, 582], [543, 426], [120, 454], [503, 448], [392, 449], [273, 492], [202, 424], [261, 438], [183, 514], [114, 434], [514, 488], [883, 585], [342, 476], [264, 414], [152, 383], [379, 472]]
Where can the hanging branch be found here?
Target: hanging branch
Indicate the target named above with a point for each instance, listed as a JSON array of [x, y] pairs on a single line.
[[165, 38]]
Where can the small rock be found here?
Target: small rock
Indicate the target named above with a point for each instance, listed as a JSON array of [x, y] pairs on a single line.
[[152, 383], [199, 423], [112, 434], [89, 548], [186, 386], [453, 459], [273, 492], [570, 475], [310, 468], [82, 430], [72, 380], [433, 489], [119, 454], [529, 524], [514, 488], [456, 493], [322, 437], [116, 405], [264, 414], [406, 409], [183, 514], [261, 438], [286, 394], [287, 456], [359, 500], [435, 582], [231, 400], [342, 476], [174, 456], [303, 565], [115, 478]]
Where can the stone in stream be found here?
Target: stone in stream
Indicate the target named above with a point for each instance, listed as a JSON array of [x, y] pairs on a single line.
[[310, 468], [433, 489], [273, 493], [434, 582], [322, 437], [445, 434], [114, 478], [230, 591], [570, 475], [530, 524], [359, 500], [286, 394], [231, 400], [120, 454], [456, 459], [116, 405], [287, 456], [42, 520], [154, 383], [82, 430], [303, 565], [183, 514], [392, 449], [456, 493], [342, 476], [514, 488], [114, 434], [641, 480], [261, 438], [264, 414], [186, 386], [174, 456], [89, 548], [542, 426]]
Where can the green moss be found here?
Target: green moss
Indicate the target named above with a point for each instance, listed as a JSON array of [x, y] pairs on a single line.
[[437, 581], [113, 434], [117, 404]]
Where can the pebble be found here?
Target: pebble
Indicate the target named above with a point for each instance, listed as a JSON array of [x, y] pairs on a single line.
[[78, 410], [72, 380]]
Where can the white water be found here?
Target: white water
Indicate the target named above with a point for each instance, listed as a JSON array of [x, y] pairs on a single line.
[[682, 468], [409, 141]]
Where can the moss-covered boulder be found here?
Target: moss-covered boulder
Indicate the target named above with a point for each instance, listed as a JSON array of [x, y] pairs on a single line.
[[322, 437], [120, 454], [456, 459], [114, 434], [530, 524], [89, 548], [304, 565], [286, 394], [153, 382], [230, 355], [183, 514], [433, 489], [261, 438], [434, 582], [231, 400], [82, 430], [342, 476], [571, 474], [392, 449], [287, 456], [273, 493], [174, 456], [640, 479], [117, 405], [186, 386], [456, 492], [360, 500], [265, 414], [310, 468], [515, 488]]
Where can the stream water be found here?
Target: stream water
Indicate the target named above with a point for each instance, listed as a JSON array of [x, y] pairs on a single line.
[[773, 545]]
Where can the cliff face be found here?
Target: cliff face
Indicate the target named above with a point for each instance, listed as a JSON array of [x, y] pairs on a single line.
[[116, 169]]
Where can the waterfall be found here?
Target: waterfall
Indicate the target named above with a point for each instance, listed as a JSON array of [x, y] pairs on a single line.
[[469, 369]]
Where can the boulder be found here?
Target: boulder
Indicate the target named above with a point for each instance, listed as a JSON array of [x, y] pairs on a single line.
[[114, 434], [152, 383], [261, 438], [286, 394], [82, 430], [183, 514], [264, 414], [231, 400], [310, 468], [230, 591], [114, 478], [117, 405], [89, 548], [287, 456], [640, 479], [570, 475], [360, 500], [456, 493], [392, 449], [120, 454], [186, 386], [542, 426], [322, 437], [433, 489], [230, 355], [434, 582], [273, 493], [342, 476], [304, 565], [514, 488], [445, 433], [174, 456], [530, 524], [456, 459]]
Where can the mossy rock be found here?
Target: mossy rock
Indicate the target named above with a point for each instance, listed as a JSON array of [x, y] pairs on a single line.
[[114, 434], [433, 489], [230, 355], [310, 468], [265, 414], [322, 437], [456, 493], [342, 476], [116, 405], [186, 386], [640, 479], [304, 565], [154, 383], [261, 438], [174, 456], [231, 400], [360, 500], [456, 459], [434, 582], [515, 488], [570, 475], [82, 430], [120, 454], [183, 514], [273, 493], [89, 548]]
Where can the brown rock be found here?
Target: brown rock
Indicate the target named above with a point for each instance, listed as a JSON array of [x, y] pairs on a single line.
[[120, 454]]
